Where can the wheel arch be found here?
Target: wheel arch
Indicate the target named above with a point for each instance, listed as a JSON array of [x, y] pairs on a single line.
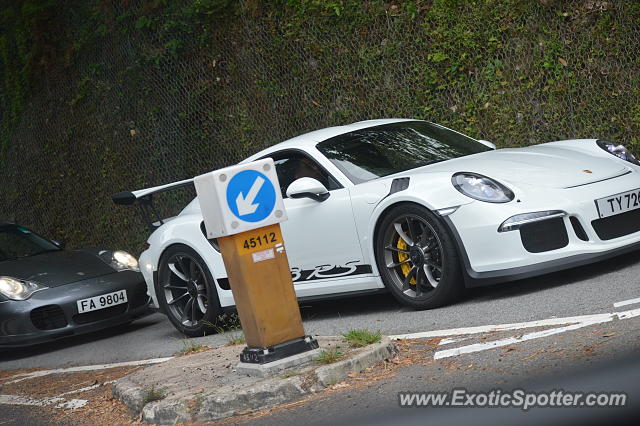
[[189, 233], [202, 318], [383, 212], [378, 216]]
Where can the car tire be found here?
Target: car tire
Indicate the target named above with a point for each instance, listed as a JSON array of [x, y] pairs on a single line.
[[417, 258], [186, 291]]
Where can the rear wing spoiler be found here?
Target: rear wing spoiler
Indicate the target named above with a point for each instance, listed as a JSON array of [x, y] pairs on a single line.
[[144, 199]]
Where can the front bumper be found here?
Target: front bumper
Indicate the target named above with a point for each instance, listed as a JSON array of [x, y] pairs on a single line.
[[490, 256], [52, 314]]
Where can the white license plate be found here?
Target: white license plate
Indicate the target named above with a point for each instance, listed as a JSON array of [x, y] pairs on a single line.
[[619, 203], [101, 302]]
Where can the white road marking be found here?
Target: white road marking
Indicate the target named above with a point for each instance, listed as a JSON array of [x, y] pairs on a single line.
[[25, 400], [67, 404], [450, 340], [626, 302], [87, 388], [628, 314], [72, 404], [499, 327], [567, 323], [510, 340], [41, 373], [60, 402]]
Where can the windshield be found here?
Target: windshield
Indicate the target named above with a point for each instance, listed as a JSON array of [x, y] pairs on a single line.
[[16, 242], [374, 152]]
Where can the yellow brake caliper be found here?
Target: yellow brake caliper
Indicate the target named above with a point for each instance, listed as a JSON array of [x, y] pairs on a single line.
[[405, 267]]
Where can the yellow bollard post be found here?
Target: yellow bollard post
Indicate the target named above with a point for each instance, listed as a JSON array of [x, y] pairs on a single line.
[[242, 207]]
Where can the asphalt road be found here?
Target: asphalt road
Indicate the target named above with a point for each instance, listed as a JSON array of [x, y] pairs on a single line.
[[587, 290], [600, 358]]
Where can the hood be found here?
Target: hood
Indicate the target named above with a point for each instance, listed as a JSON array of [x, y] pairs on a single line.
[[56, 268], [543, 166]]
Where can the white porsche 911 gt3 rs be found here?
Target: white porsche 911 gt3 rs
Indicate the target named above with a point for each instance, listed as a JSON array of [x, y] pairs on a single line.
[[414, 208]]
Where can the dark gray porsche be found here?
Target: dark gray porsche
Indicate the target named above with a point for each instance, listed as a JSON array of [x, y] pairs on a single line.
[[47, 292]]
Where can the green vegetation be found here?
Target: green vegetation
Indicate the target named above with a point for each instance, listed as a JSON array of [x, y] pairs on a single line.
[[236, 339], [329, 356], [189, 347], [229, 324], [99, 97], [153, 394], [291, 373], [359, 338]]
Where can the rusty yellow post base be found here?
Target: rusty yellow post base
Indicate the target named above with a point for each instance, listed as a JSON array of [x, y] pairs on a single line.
[[260, 280]]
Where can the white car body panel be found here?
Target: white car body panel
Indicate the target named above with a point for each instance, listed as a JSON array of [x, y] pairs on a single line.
[[326, 240], [307, 246]]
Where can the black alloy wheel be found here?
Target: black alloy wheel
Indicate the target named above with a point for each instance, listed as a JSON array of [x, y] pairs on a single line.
[[186, 291], [417, 259]]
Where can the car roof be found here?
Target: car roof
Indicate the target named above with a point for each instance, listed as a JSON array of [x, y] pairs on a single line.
[[309, 140]]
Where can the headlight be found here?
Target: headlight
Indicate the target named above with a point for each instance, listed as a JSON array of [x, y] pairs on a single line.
[[18, 289], [619, 151], [124, 261], [481, 188]]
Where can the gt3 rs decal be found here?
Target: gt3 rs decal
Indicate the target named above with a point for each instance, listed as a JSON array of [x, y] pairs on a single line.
[[322, 272]]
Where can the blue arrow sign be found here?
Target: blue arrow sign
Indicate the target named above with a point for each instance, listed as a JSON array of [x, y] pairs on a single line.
[[251, 196]]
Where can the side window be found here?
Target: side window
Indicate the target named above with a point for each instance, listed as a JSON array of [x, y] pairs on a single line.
[[292, 166]]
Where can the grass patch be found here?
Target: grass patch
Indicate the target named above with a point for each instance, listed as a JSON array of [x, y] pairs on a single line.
[[360, 338], [288, 374], [329, 356], [189, 347], [236, 339], [229, 323], [153, 394]]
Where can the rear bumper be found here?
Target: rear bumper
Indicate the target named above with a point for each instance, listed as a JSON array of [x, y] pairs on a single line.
[[21, 326]]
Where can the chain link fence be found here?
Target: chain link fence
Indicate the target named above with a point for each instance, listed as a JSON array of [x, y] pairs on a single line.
[[156, 98]]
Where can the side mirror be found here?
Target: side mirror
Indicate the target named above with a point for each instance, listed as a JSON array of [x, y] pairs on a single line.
[[60, 244], [307, 187], [487, 143]]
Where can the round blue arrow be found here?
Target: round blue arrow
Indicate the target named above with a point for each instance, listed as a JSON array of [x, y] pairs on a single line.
[[251, 196]]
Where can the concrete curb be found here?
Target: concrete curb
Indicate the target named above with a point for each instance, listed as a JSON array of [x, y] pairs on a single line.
[[264, 395], [226, 401], [129, 394], [166, 412], [333, 373]]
